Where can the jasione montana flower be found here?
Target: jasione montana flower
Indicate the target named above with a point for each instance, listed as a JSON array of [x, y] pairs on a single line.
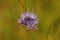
[[29, 20]]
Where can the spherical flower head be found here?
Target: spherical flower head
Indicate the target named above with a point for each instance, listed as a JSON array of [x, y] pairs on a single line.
[[29, 20]]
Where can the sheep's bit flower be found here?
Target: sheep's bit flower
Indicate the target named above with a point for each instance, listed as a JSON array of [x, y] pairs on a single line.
[[29, 20]]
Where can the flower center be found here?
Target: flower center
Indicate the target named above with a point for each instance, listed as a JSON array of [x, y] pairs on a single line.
[[27, 19]]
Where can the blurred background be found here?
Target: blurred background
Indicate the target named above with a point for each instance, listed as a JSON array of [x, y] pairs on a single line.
[[48, 12]]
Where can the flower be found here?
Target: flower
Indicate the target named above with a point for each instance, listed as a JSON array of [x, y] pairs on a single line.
[[29, 19]]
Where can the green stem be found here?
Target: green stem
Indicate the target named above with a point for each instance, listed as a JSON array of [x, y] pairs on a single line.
[[48, 32]]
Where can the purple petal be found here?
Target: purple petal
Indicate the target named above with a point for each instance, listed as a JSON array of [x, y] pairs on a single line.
[[29, 20]]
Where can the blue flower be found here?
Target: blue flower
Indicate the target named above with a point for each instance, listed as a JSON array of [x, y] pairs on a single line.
[[29, 20]]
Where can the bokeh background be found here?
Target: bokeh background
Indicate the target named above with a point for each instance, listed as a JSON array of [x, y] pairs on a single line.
[[48, 12]]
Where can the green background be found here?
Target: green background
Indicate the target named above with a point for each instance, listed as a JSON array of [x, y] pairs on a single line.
[[48, 12]]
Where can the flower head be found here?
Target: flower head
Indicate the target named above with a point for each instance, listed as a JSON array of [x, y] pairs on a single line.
[[29, 19]]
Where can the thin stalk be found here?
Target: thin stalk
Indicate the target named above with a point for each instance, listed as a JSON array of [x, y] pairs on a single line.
[[48, 32]]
